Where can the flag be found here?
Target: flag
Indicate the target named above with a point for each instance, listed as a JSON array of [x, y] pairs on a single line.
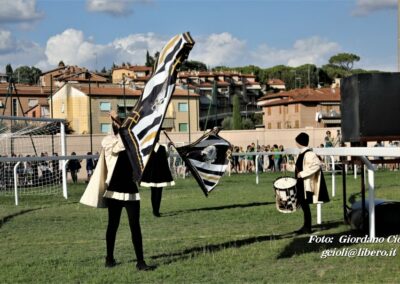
[[141, 128], [206, 159]]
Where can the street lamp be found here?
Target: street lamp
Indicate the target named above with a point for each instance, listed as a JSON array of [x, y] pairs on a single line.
[[249, 103]]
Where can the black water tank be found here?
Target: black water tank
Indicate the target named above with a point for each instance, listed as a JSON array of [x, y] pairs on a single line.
[[370, 107]]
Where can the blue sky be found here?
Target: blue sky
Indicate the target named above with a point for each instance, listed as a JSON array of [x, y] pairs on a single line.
[[96, 33]]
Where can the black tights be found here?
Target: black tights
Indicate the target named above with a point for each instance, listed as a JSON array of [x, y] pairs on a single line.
[[156, 195], [305, 206], [114, 215]]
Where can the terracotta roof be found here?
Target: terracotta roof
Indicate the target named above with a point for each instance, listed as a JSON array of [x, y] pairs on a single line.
[[275, 82], [300, 96], [135, 68], [26, 90]]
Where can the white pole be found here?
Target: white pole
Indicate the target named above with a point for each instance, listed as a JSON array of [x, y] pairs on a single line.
[[371, 201], [64, 162], [355, 171], [16, 182], [229, 168], [371, 196], [256, 169], [333, 176]]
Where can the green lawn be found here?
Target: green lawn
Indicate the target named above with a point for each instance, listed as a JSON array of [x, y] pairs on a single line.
[[236, 235]]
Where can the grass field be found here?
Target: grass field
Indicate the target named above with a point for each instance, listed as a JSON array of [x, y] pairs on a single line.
[[236, 235]]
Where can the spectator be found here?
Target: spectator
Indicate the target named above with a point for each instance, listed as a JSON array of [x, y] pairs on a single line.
[[89, 166], [73, 167]]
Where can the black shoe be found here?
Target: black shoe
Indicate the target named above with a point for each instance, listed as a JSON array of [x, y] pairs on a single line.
[[141, 265], [156, 214], [303, 230], [110, 262]]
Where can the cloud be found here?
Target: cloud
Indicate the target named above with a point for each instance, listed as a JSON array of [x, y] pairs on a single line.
[[73, 48], [7, 43], [219, 49], [312, 50], [113, 7], [18, 52], [365, 7], [17, 11]]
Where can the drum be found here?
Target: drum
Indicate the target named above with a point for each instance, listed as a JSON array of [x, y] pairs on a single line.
[[285, 194]]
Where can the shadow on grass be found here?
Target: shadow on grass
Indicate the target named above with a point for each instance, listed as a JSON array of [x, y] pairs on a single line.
[[8, 218], [303, 245], [232, 206], [168, 258]]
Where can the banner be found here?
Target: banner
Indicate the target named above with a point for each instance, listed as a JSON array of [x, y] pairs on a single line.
[[206, 159], [141, 128]]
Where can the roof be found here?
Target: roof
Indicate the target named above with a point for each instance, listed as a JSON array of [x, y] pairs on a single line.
[[26, 90], [275, 82], [301, 96], [135, 68]]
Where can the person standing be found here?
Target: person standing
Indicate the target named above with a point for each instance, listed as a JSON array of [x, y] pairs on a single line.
[[122, 192], [311, 186], [89, 166], [73, 167], [157, 175]]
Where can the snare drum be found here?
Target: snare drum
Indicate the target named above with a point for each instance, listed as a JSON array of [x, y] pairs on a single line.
[[285, 194]]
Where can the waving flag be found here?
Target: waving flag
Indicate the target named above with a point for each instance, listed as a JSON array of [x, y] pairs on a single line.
[[141, 128], [206, 159]]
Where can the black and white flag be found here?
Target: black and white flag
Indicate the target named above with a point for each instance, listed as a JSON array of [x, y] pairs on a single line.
[[206, 159], [141, 128]]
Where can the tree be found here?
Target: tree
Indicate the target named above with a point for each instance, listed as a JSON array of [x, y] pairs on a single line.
[[237, 120], [61, 64], [151, 60], [247, 123], [193, 65], [344, 60], [9, 71], [27, 75], [227, 123]]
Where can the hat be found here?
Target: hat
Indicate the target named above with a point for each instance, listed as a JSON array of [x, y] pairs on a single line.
[[302, 139]]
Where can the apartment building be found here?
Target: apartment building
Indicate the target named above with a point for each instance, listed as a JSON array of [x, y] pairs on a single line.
[[79, 105], [300, 108], [226, 84]]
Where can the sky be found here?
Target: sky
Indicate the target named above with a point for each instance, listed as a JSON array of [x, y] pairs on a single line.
[[265, 33]]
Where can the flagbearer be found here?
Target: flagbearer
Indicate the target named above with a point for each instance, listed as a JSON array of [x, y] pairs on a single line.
[[121, 192], [157, 175]]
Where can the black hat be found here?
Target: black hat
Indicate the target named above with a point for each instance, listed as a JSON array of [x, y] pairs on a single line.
[[302, 139]]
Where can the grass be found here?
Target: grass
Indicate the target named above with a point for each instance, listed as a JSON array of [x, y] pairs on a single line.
[[234, 236]]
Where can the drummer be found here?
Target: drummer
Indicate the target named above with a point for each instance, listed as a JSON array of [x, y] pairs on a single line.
[[311, 186]]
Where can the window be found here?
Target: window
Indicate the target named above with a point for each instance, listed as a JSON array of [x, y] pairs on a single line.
[[297, 124], [279, 125], [183, 127], [32, 102], [105, 106], [296, 108], [269, 110], [280, 109], [105, 127], [182, 107], [286, 109], [269, 125]]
